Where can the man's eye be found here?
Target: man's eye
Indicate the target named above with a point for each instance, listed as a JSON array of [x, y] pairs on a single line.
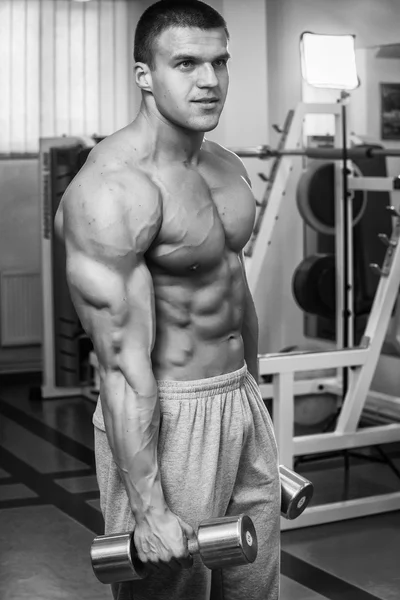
[[186, 64], [221, 62]]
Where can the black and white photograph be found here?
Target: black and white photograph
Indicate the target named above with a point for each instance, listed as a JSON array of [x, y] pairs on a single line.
[[199, 299]]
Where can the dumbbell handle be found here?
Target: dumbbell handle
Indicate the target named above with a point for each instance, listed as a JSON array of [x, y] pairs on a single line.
[[193, 546]]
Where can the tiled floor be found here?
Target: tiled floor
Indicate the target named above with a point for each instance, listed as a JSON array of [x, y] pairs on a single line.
[[49, 511]]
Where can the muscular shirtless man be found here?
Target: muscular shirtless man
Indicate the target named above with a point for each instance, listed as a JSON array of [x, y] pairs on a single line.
[[154, 225]]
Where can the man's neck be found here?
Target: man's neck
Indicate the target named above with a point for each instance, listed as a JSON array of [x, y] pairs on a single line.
[[167, 142]]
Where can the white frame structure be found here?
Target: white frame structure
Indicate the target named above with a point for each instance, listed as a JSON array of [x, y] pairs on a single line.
[[360, 361]]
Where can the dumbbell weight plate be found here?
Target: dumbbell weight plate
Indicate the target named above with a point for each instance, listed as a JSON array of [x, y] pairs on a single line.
[[227, 542], [114, 558]]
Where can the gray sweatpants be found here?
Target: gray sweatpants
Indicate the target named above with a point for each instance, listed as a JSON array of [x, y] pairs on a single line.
[[218, 456]]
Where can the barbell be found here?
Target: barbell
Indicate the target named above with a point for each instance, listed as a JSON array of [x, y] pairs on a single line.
[[265, 152]]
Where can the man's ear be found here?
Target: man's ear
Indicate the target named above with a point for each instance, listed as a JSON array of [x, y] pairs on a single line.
[[143, 77]]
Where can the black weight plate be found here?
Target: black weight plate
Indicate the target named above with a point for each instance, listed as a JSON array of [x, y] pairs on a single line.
[[315, 197], [306, 287]]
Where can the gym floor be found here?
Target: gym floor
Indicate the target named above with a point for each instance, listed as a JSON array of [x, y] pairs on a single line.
[[49, 511]]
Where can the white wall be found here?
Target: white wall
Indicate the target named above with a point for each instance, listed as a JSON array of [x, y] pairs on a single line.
[[244, 121], [380, 70]]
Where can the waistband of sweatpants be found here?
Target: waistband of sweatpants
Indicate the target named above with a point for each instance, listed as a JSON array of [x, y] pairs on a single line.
[[201, 388]]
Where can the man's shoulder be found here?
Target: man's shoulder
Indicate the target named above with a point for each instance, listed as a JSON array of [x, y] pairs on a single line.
[[110, 176], [226, 155], [217, 149], [111, 201], [113, 162]]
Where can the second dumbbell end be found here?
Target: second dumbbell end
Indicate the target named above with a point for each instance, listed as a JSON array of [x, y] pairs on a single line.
[[225, 542], [296, 493]]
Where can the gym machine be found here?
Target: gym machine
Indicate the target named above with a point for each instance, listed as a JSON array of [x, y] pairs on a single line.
[[354, 364], [65, 347]]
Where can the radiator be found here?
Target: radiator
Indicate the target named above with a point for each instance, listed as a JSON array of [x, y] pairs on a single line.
[[20, 308]]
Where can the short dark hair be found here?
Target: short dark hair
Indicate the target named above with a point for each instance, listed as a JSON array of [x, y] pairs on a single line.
[[172, 13]]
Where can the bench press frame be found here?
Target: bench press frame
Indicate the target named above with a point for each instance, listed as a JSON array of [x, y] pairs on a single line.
[[360, 362]]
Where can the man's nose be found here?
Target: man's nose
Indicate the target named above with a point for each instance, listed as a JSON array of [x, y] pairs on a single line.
[[207, 77]]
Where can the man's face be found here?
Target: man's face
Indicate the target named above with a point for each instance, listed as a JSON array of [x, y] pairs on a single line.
[[190, 80]]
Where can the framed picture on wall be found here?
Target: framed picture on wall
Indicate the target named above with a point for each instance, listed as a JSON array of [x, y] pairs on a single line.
[[390, 111]]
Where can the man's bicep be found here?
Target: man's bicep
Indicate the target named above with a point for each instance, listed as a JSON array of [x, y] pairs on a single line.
[[109, 222], [115, 307]]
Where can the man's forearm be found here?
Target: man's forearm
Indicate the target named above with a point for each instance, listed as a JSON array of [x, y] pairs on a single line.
[[132, 419]]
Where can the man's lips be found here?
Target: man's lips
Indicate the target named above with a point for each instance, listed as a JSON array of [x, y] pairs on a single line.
[[206, 100]]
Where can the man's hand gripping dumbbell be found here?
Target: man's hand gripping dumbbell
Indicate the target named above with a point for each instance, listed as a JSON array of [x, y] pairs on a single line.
[[220, 542]]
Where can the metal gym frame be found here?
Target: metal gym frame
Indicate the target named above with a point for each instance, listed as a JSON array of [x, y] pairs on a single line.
[[355, 365], [49, 387]]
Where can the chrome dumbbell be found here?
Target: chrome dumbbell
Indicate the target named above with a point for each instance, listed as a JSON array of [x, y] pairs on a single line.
[[221, 542]]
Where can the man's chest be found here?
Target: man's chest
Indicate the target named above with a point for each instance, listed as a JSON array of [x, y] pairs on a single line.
[[204, 211]]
